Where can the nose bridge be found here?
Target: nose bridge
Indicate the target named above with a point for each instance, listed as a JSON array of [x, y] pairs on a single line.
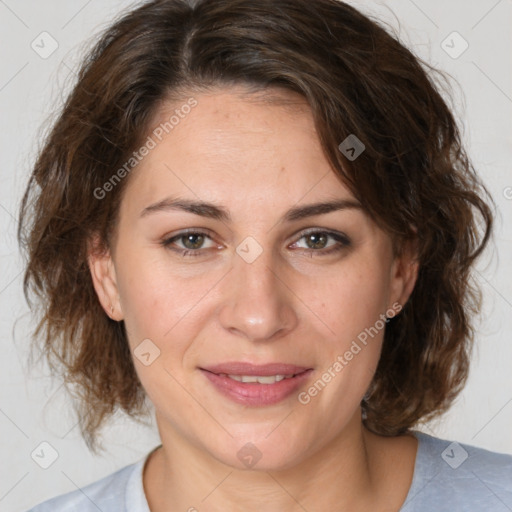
[[258, 276], [256, 303]]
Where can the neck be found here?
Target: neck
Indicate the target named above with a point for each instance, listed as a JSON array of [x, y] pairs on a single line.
[[340, 476]]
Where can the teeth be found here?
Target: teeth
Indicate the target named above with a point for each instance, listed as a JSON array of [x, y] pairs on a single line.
[[267, 379]]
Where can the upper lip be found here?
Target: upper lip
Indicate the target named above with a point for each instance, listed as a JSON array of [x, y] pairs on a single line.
[[263, 370]]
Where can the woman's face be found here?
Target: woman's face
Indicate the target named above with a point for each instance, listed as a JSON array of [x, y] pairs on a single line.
[[222, 263]]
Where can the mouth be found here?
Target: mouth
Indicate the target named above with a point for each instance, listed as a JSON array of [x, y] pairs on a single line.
[[260, 379], [256, 385]]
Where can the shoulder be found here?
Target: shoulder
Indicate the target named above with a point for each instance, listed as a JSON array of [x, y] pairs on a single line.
[[111, 493], [455, 476]]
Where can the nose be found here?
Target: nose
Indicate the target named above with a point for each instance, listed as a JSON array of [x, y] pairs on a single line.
[[257, 302]]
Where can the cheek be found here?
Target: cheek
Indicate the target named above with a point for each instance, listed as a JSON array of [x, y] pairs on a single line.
[[351, 305], [161, 307], [150, 300], [161, 303], [351, 301]]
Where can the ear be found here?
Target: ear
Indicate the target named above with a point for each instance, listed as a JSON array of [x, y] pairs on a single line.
[[404, 273], [104, 280]]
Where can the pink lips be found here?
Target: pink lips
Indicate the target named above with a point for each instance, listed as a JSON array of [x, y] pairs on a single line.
[[254, 393]]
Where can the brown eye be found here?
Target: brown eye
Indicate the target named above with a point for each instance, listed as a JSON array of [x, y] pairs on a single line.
[[189, 243], [316, 240], [193, 240], [322, 242]]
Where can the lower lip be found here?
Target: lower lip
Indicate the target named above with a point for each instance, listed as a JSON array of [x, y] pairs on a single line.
[[254, 393]]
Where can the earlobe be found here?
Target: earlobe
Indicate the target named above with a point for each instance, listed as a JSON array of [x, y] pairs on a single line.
[[104, 280]]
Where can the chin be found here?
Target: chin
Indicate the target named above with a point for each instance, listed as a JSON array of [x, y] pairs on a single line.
[[261, 452]]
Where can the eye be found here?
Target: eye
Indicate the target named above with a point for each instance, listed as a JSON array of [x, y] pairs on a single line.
[[192, 242], [189, 243], [322, 242]]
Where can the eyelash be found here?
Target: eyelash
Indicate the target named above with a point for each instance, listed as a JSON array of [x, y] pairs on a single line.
[[343, 242]]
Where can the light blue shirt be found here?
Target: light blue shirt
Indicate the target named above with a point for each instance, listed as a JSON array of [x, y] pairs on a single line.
[[448, 477]]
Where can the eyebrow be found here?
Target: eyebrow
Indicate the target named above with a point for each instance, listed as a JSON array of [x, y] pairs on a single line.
[[212, 211]]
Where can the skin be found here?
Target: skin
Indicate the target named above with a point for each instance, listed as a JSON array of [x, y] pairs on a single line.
[[292, 304]]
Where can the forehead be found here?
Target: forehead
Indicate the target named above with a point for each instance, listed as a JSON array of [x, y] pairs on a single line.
[[235, 147]]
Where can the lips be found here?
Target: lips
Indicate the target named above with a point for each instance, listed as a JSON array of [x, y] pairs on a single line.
[[240, 368], [256, 385]]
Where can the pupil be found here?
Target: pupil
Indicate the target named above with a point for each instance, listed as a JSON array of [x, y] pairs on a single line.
[[193, 241], [318, 240]]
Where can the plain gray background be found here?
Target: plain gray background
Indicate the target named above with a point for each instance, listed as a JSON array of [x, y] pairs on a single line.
[[35, 409]]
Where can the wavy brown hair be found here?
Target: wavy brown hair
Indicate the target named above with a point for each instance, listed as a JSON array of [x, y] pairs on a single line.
[[414, 179]]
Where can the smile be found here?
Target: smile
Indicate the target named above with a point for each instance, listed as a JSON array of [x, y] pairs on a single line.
[[254, 385], [261, 379]]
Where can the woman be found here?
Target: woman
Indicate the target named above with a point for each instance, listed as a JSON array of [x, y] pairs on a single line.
[[259, 216]]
